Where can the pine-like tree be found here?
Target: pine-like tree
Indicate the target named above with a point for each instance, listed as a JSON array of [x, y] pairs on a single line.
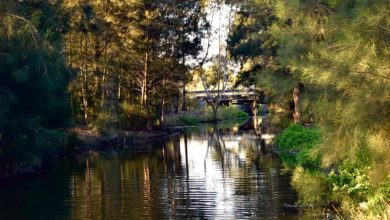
[[33, 79]]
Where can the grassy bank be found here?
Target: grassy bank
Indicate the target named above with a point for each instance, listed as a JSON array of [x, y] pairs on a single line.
[[346, 186], [192, 118]]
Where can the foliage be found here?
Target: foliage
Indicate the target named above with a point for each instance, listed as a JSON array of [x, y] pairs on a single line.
[[248, 42], [376, 205], [350, 178], [224, 113], [323, 50], [339, 48], [339, 51], [130, 51], [133, 116], [189, 120], [206, 115], [252, 44], [297, 145], [241, 115], [33, 78], [280, 119], [311, 186], [105, 122], [183, 119]]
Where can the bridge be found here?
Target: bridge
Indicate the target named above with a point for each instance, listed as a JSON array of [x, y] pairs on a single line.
[[247, 98]]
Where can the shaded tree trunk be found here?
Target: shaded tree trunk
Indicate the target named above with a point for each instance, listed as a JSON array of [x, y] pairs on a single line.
[[163, 93], [84, 95], [119, 85], [84, 79], [184, 105], [297, 99]]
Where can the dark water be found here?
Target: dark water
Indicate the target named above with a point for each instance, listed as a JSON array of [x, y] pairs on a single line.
[[224, 172]]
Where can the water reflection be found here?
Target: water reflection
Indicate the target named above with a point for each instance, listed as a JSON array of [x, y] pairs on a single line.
[[214, 172]]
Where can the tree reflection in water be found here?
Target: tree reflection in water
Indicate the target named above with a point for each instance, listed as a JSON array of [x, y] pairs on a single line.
[[216, 171]]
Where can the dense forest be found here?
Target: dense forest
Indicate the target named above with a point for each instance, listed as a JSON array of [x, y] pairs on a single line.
[[97, 63], [125, 64]]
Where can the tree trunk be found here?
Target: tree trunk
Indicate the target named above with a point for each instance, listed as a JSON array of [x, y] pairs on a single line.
[[184, 105], [119, 85], [296, 96], [83, 68], [144, 92], [177, 103], [163, 94], [162, 106], [84, 94], [103, 87], [215, 111], [105, 71]]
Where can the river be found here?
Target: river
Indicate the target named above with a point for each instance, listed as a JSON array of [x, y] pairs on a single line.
[[228, 171]]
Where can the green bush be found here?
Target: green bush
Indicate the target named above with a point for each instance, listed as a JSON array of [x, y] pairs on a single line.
[[375, 206], [206, 115], [224, 113], [296, 145], [189, 120], [104, 122], [133, 116], [241, 114], [182, 119], [350, 178], [311, 186]]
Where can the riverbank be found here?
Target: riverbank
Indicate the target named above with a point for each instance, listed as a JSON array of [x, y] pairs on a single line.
[[90, 140], [80, 140], [345, 190]]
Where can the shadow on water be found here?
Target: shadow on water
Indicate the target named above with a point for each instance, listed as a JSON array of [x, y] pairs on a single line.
[[216, 171]]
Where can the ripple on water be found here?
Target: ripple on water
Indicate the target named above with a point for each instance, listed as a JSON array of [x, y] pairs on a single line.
[[195, 176]]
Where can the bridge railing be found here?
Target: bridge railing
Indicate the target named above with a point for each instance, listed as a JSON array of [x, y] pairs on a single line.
[[226, 93]]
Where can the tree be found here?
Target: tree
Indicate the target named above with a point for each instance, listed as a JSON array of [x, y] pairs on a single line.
[[337, 49], [249, 42], [33, 79], [252, 45], [130, 52]]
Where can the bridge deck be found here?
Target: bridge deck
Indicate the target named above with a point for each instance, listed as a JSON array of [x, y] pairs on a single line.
[[229, 94]]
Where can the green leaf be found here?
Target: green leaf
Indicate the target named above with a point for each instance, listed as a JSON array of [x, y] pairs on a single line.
[[21, 75]]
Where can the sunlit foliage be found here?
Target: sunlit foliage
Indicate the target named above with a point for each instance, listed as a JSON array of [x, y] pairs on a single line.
[[339, 51], [133, 52]]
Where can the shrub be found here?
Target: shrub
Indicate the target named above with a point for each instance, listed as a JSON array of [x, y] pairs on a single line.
[[189, 119], [350, 178], [224, 113], [311, 186], [133, 116], [206, 115], [376, 206], [104, 122], [241, 114], [296, 145], [182, 119]]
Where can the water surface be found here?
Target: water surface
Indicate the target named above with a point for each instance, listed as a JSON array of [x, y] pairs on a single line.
[[211, 172]]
